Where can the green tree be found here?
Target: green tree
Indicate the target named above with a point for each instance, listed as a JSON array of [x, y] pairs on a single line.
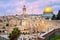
[[57, 37], [15, 34], [58, 15], [53, 17]]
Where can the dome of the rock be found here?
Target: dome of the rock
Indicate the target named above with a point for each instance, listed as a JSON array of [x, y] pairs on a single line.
[[48, 10]]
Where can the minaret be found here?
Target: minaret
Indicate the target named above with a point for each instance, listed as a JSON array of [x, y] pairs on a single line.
[[24, 10]]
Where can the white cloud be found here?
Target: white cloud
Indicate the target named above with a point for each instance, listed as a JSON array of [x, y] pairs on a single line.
[[35, 7], [56, 8]]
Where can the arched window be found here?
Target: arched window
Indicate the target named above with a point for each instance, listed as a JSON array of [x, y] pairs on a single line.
[[0, 31], [3, 31], [15, 25], [47, 18], [7, 24], [3, 27]]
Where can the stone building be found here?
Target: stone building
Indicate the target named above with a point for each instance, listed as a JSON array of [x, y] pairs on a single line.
[[28, 22]]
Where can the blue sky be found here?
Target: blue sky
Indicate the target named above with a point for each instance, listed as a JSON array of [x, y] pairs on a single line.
[[12, 7]]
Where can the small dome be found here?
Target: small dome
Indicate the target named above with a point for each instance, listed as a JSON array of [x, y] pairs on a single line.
[[48, 10]]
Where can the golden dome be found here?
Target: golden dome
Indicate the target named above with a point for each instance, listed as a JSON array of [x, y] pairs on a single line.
[[48, 10]]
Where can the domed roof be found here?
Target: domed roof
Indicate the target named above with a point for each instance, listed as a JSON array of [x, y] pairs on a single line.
[[48, 10]]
